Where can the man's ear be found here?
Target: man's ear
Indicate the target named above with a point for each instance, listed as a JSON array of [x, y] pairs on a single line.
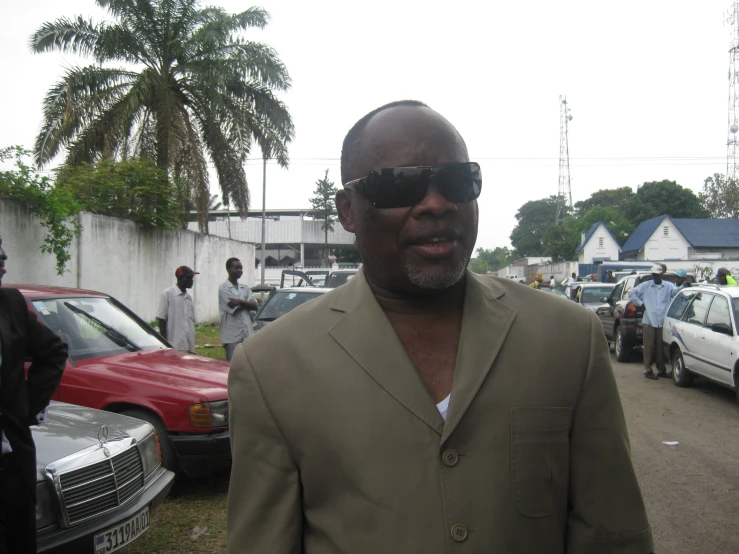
[[344, 209]]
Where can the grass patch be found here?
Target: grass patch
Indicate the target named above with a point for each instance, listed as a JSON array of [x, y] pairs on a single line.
[[193, 504], [177, 523], [208, 342]]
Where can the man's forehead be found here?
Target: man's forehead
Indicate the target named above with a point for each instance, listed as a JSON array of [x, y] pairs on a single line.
[[409, 135]]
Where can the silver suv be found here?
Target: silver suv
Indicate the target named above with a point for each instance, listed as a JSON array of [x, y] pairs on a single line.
[[700, 336]]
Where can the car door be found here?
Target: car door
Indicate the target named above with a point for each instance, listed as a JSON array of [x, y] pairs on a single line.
[[719, 356], [605, 313], [691, 337]]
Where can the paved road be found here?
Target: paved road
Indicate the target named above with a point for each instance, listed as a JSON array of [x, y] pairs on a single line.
[[692, 489]]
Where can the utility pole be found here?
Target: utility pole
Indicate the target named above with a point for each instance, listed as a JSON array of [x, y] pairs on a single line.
[[264, 208], [731, 141], [564, 192]]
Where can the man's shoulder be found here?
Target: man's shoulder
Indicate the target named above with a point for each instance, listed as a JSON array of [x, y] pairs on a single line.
[[12, 297]]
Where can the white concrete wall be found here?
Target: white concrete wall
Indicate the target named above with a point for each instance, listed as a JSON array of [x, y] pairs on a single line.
[[116, 257], [561, 270], [593, 250], [671, 246]]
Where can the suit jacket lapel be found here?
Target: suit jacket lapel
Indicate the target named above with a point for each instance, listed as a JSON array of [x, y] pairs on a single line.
[[485, 325], [367, 336]]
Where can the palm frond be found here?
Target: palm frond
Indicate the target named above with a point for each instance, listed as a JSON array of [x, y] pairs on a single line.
[[74, 101], [66, 35]]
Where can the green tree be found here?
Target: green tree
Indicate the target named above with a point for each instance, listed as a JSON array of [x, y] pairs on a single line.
[[534, 220], [720, 197], [657, 198], [495, 258], [619, 199], [324, 202], [189, 85], [130, 189], [478, 265], [55, 206]]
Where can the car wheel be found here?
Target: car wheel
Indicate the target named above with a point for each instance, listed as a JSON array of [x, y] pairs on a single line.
[[680, 374], [621, 347], [169, 460]]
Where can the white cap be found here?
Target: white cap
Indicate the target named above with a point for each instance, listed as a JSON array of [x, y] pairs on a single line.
[[656, 269]]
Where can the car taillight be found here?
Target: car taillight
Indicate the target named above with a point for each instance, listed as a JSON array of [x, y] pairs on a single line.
[[630, 310]]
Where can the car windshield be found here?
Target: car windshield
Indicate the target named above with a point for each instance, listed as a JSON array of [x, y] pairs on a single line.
[[283, 302], [94, 327], [337, 279], [594, 295]]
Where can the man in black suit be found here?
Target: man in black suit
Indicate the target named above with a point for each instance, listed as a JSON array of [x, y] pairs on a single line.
[[22, 337]]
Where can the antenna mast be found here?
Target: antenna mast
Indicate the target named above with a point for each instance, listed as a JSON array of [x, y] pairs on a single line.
[[731, 143], [564, 193]]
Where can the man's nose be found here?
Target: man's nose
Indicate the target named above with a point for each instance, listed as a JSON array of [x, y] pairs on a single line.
[[434, 203]]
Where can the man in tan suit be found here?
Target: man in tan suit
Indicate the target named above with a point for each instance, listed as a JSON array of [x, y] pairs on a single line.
[[421, 408]]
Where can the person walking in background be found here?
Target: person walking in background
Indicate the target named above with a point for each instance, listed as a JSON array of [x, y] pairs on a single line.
[[176, 313], [655, 296], [724, 277], [22, 401], [235, 301]]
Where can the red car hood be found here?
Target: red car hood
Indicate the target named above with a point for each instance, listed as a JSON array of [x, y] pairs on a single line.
[[168, 367]]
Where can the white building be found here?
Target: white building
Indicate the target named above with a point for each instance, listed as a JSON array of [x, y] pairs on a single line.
[[666, 239], [598, 245], [292, 237]]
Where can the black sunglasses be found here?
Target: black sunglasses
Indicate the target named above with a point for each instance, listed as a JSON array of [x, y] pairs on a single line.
[[402, 187]]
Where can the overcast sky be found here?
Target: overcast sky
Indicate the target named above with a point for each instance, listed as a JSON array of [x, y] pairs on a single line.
[[646, 82]]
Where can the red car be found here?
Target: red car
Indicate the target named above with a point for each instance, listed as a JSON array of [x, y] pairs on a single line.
[[119, 363]]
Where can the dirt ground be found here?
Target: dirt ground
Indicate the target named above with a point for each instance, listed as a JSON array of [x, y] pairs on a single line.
[[691, 489]]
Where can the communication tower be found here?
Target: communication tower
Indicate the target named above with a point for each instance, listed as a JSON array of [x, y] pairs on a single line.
[[564, 193], [731, 142]]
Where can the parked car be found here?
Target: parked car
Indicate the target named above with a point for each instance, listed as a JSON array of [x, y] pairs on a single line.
[[99, 474], [591, 295], [338, 277], [622, 318], [700, 335], [557, 291], [120, 364], [283, 301]]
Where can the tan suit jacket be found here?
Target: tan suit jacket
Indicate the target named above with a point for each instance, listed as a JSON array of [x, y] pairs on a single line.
[[339, 448]]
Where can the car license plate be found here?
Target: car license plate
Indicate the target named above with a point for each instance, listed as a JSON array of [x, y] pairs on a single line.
[[122, 534]]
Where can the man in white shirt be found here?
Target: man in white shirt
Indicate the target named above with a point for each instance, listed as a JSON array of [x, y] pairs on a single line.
[[235, 301], [176, 313]]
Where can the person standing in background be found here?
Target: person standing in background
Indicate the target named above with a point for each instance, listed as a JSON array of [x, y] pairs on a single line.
[[235, 301], [176, 313]]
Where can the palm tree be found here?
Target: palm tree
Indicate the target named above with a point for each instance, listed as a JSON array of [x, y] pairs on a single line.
[[191, 87]]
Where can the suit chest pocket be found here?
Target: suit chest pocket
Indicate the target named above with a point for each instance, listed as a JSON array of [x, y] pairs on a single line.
[[539, 458]]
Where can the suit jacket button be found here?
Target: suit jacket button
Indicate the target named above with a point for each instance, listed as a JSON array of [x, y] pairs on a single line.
[[450, 457], [459, 532]]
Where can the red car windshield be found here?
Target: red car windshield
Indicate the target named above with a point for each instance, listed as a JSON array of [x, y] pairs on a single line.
[[95, 327]]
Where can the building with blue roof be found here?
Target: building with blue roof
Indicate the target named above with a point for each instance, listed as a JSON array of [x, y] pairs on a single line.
[[664, 238], [598, 245]]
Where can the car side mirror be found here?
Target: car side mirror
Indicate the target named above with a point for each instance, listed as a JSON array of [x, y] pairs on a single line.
[[722, 328]]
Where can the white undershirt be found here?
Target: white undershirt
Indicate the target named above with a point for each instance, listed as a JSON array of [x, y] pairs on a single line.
[[443, 406]]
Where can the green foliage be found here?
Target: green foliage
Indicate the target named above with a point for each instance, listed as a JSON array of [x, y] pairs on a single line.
[[188, 85], [618, 199], [323, 200], [131, 189], [534, 220], [489, 260], [657, 198], [54, 206], [720, 197], [347, 256], [478, 265]]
